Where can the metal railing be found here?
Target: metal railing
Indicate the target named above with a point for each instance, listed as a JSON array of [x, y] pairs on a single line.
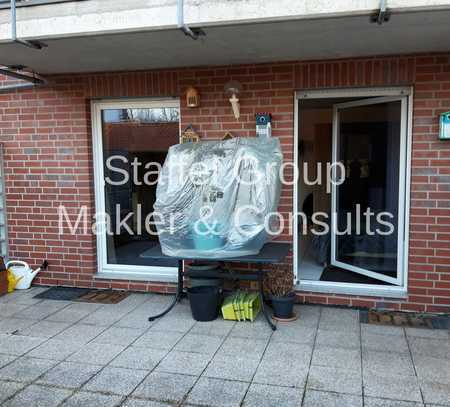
[[26, 3]]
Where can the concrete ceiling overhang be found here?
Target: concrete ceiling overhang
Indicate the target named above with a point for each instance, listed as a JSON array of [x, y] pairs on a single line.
[[425, 31]]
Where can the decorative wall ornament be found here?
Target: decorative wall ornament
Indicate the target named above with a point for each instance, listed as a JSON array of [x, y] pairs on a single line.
[[192, 97], [189, 135], [228, 136], [233, 88]]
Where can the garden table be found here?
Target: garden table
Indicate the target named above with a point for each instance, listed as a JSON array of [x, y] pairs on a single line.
[[271, 253]]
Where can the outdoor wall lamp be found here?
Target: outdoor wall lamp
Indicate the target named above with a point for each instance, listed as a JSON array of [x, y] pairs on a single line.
[[233, 88]]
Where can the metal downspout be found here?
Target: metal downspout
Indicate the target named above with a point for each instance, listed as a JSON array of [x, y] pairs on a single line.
[[29, 44], [193, 33]]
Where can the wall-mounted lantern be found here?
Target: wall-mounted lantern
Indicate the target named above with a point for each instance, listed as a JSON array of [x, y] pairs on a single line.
[[444, 126], [233, 88], [192, 97]]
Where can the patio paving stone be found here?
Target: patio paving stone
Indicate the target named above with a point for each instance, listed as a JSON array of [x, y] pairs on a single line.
[[217, 393], [5, 359], [376, 402], [96, 353], [7, 389], [103, 317], [260, 395], [432, 369], [184, 363], [437, 348], [337, 357], [116, 380], [55, 349], [26, 369], [248, 347], [387, 363], [435, 393], [119, 336], [80, 333], [315, 398], [139, 358], [178, 323], [337, 319], [38, 396], [392, 387], [73, 312], [256, 330], [427, 333], [334, 380], [373, 329], [10, 325], [236, 367], [156, 339], [338, 339], [281, 373], [42, 310], [218, 327], [9, 309], [44, 329], [165, 387], [133, 402], [293, 353], [382, 343], [69, 374], [87, 399], [19, 345], [294, 333], [204, 344]]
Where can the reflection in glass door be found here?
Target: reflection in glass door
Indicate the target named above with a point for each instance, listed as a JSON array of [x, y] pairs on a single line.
[[368, 203], [131, 141]]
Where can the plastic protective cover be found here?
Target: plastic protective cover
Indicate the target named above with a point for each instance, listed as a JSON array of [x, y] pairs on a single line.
[[214, 199]]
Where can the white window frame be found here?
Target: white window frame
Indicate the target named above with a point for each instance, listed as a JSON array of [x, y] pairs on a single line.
[[353, 288], [121, 271]]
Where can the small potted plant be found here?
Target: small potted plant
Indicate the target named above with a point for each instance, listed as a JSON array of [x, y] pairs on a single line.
[[279, 285]]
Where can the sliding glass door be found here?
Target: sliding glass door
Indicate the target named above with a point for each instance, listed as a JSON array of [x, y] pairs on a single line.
[[131, 140], [368, 192]]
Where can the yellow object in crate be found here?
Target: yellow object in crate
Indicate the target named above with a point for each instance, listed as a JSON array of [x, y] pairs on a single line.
[[241, 306]]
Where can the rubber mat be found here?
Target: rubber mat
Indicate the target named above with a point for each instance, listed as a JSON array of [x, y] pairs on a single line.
[[62, 293], [405, 319], [103, 296]]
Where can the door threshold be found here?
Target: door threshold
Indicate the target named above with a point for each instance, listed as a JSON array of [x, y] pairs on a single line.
[[370, 290], [135, 276]]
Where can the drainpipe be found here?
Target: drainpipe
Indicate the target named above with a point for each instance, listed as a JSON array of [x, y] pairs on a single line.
[[32, 81], [29, 44], [193, 33]]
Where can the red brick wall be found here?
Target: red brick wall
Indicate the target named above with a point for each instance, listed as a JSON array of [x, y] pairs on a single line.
[[48, 157]]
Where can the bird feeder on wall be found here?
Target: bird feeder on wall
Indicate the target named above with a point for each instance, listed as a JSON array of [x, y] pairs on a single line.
[[192, 97], [444, 126]]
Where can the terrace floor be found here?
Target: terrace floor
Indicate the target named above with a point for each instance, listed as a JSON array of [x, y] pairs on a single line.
[[60, 353]]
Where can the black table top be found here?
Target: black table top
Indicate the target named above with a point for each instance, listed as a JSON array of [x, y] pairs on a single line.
[[270, 253]]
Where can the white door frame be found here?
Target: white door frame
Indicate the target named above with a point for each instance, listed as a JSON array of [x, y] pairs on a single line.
[[119, 271], [352, 288]]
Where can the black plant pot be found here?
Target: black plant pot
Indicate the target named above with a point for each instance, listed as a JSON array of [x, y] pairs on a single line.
[[283, 307], [205, 302]]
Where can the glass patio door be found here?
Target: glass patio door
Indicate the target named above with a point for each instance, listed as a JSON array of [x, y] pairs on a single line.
[[368, 192], [131, 140]]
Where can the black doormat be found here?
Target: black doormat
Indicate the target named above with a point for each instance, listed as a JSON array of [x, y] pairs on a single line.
[[62, 293], [82, 295], [405, 319]]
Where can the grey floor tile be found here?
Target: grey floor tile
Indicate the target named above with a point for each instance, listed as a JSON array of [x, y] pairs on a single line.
[[432, 369], [350, 339], [133, 402], [42, 310], [80, 333], [19, 345], [155, 339], [38, 396], [427, 333], [135, 319], [87, 399], [294, 333], [243, 346], [69, 374], [204, 344], [119, 336], [217, 393], [337, 357], [218, 327], [96, 353], [388, 363], [401, 387], [26, 369], [335, 380], [338, 319], [184, 363], [9, 309], [289, 352], [437, 348], [382, 330], [390, 343], [12, 325], [103, 317], [234, 367], [281, 373], [165, 387], [260, 395], [315, 398], [257, 329], [44, 329], [116, 380], [7, 389], [73, 312], [435, 393], [376, 402], [175, 322], [55, 349], [139, 358], [6, 359]]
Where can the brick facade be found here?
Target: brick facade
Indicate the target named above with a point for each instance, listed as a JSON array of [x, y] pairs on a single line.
[[46, 134]]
